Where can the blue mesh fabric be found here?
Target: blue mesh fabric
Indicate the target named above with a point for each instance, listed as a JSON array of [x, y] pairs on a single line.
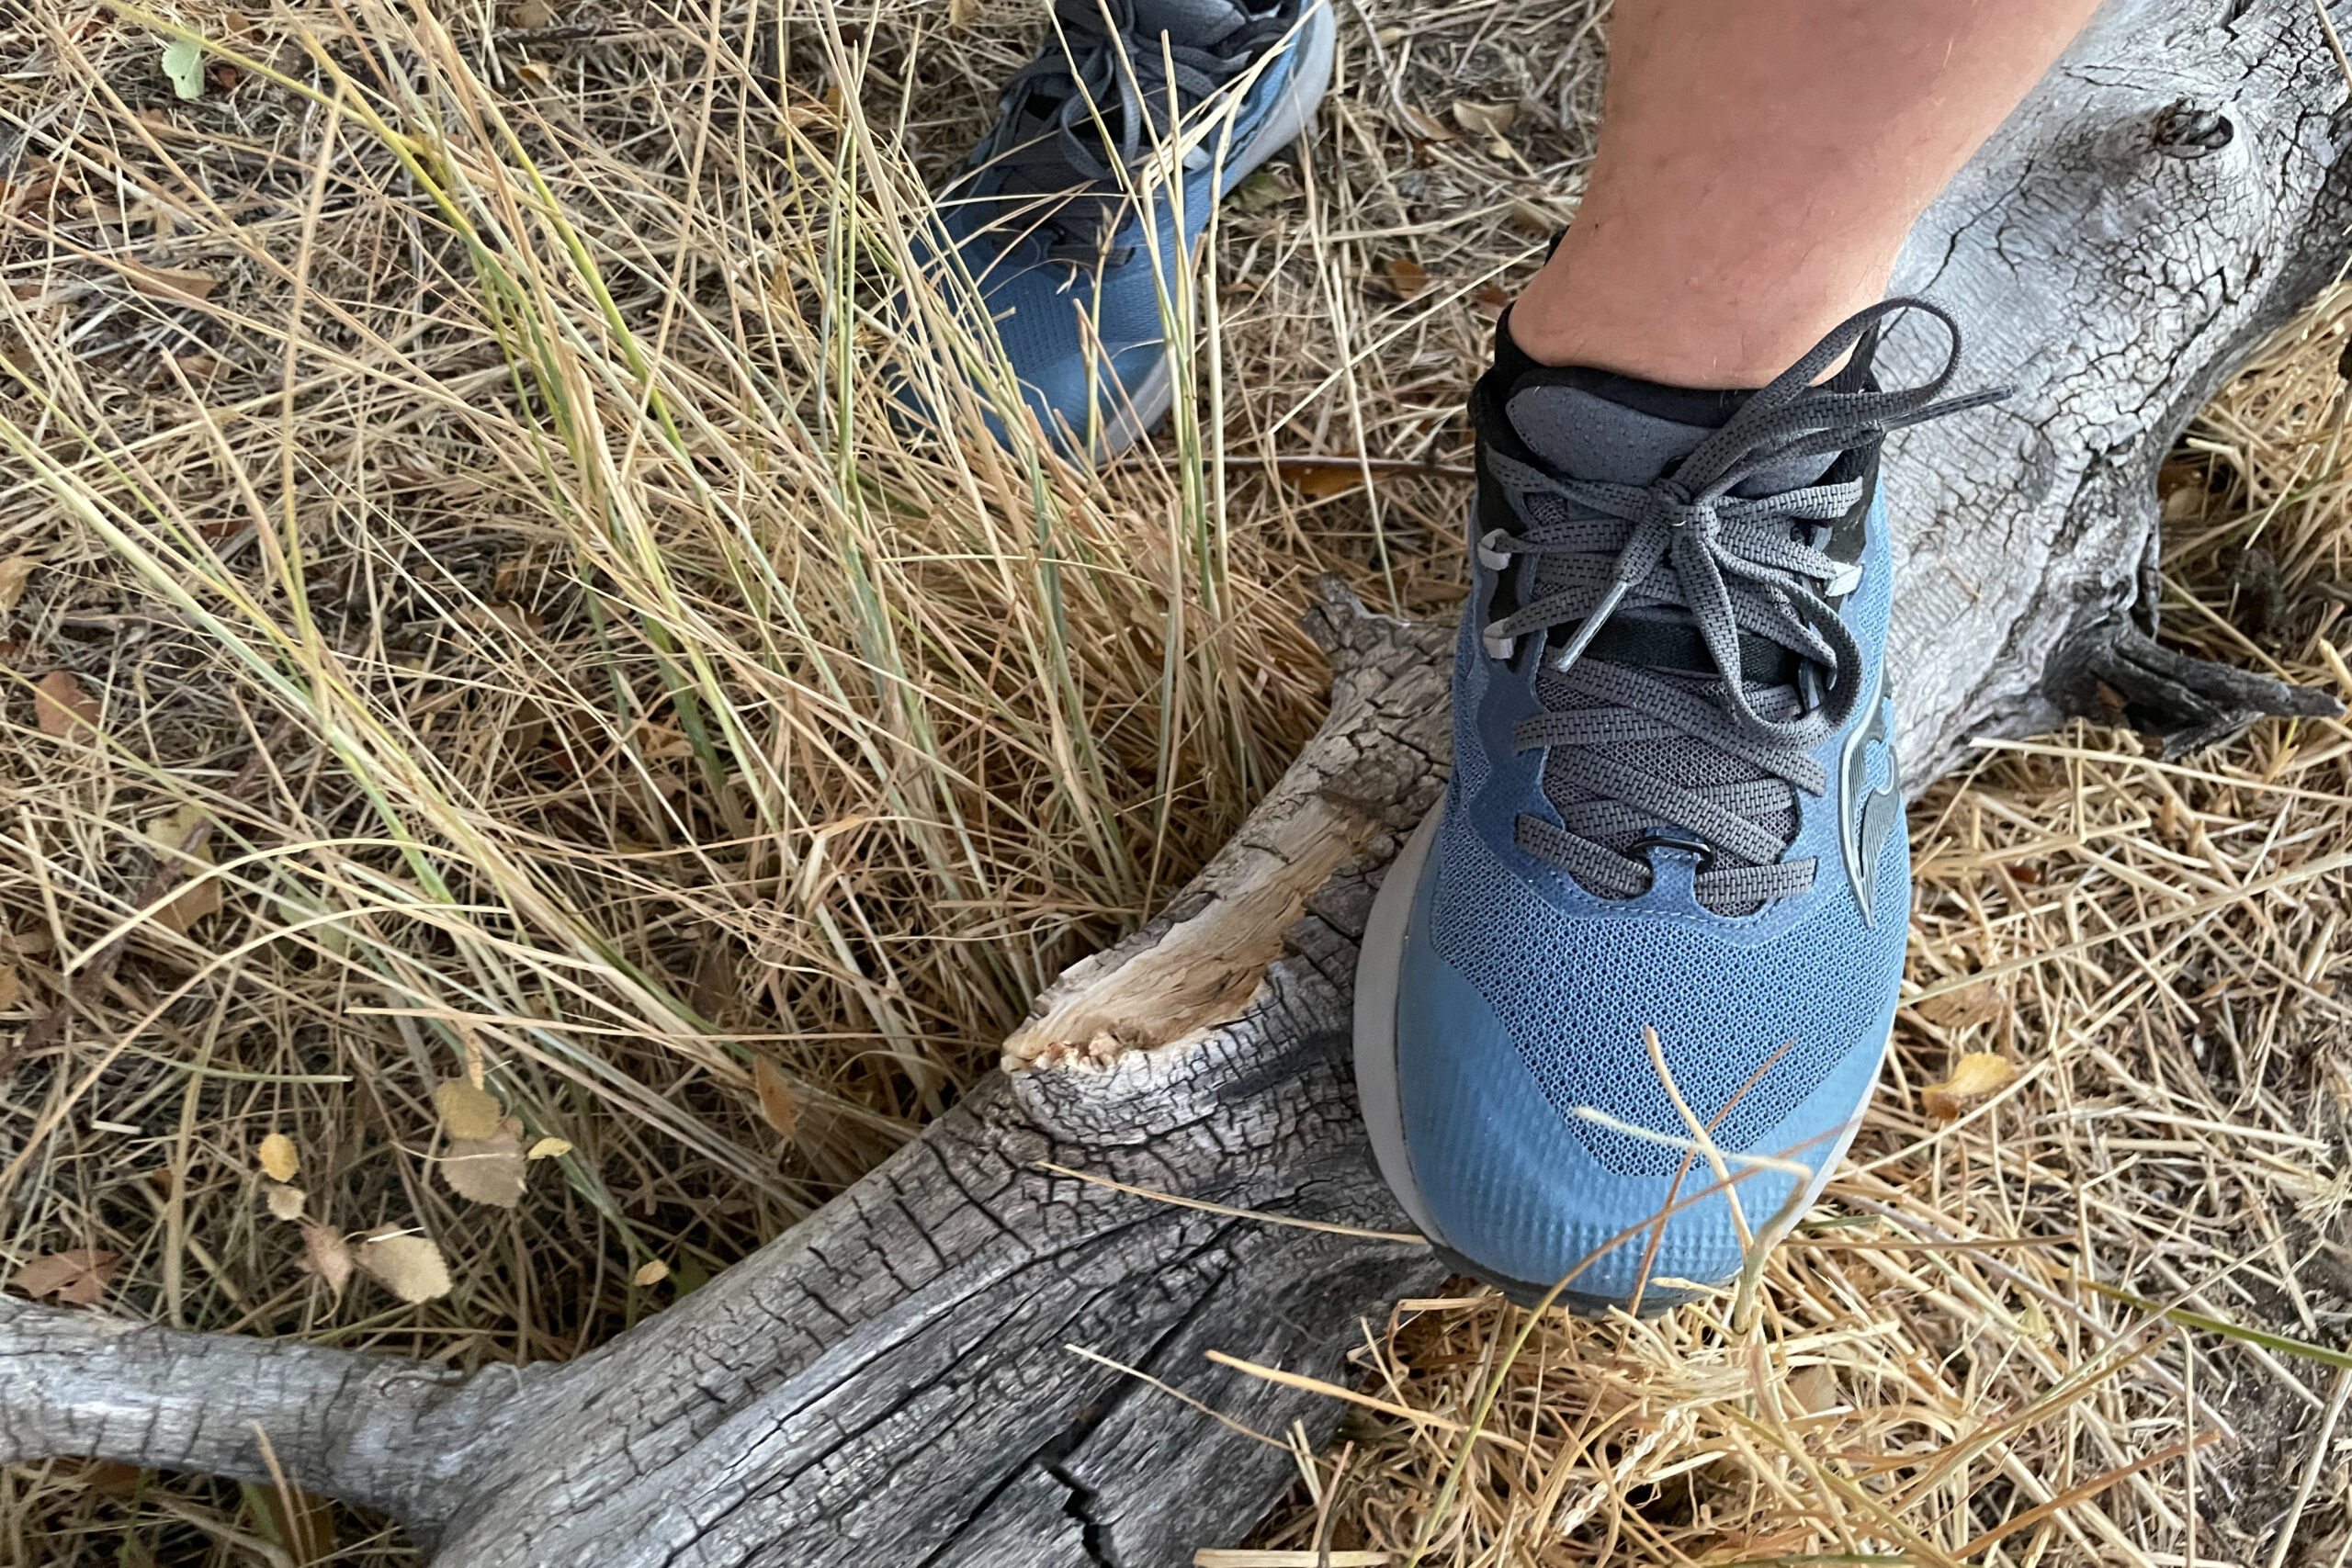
[[1559, 983]]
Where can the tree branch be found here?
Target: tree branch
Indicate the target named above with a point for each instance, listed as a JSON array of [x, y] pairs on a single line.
[[384, 1433]]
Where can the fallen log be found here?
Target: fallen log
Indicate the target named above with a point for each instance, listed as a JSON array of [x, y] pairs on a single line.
[[939, 1367]]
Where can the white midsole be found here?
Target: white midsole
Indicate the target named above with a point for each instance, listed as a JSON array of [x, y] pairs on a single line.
[[1378, 959]]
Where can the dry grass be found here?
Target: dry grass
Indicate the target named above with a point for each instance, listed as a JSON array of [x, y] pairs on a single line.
[[486, 526]]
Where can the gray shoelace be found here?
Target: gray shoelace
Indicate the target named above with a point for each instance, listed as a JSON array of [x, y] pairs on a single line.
[[1114, 68], [1687, 545]]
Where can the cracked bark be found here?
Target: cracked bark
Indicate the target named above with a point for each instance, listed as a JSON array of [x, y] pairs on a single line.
[[891, 1381]]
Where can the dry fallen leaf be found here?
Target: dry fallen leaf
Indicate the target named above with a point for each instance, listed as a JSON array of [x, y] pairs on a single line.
[[1973, 1076], [410, 1267], [13, 573], [11, 989], [1423, 125], [1815, 1388], [1321, 481], [1959, 1010], [62, 708], [549, 1148], [328, 1254], [186, 285], [285, 1202], [652, 1273], [468, 1113], [779, 1106], [78, 1276], [1491, 301], [1269, 188], [1490, 120], [1407, 276], [279, 1160], [531, 14], [108, 1478], [202, 896], [488, 1171]]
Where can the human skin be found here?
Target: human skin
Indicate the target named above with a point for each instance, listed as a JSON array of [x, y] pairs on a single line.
[[1760, 162]]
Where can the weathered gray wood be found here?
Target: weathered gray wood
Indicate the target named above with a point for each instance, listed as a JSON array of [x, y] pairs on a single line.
[[890, 1384], [2174, 191]]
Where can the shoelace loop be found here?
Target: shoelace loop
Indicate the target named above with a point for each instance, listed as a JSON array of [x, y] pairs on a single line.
[[1737, 568]]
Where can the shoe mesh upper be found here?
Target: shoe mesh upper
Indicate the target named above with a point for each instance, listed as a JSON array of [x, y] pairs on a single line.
[[1558, 983]]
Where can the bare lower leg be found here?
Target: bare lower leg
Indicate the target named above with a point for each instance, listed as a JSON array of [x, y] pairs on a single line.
[[1760, 162]]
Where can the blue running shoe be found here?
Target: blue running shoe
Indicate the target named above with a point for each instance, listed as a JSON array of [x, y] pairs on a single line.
[[1674, 808], [1067, 203]]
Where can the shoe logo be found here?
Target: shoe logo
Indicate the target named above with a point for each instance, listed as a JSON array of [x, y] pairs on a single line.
[[1867, 816]]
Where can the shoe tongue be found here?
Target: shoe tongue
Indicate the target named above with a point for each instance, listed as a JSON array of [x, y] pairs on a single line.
[[1618, 429], [1196, 24]]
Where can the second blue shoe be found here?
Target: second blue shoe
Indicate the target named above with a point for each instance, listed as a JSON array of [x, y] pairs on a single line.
[[1674, 810], [1069, 230]]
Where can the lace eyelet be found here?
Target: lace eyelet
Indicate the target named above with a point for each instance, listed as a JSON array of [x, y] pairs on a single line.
[[1698, 849]]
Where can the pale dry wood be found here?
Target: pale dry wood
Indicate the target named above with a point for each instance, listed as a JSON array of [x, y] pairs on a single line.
[[892, 1381]]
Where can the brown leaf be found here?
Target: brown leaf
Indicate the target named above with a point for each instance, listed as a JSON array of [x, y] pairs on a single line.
[[1491, 301], [1490, 120], [1407, 276], [712, 989], [653, 1273], [1959, 1010], [779, 1106], [328, 1254], [410, 1267], [285, 1202], [13, 573], [78, 1276], [1423, 125], [1815, 1388], [1973, 1076], [487, 1170], [11, 989], [1321, 481], [531, 14], [186, 285], [62, 708], [468, 1113], [171, 835], [109, 1478], [278, 1159]]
